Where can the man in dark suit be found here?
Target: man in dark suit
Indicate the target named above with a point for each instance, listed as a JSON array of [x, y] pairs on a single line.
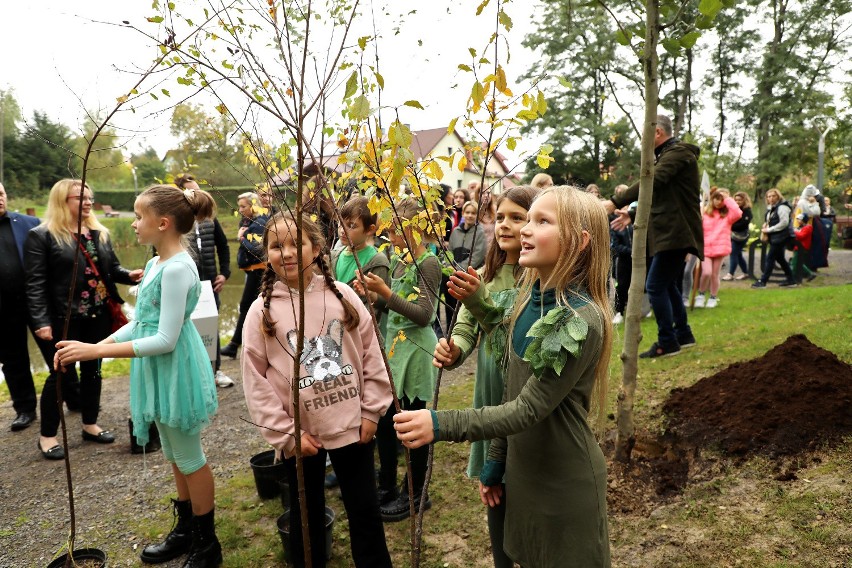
[[14, 355]]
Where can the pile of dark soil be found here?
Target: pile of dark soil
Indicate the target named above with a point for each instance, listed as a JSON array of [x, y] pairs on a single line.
[[795, 398]]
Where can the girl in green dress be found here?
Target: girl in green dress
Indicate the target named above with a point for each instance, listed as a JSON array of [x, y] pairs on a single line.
[[498, 278], [556, 367], [411, 300], [171, 379]]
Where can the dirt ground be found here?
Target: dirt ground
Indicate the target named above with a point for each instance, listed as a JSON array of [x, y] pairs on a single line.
[[111, 482]]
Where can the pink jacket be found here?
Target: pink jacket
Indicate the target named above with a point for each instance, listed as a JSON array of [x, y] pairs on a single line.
[[717, 229], [342, 378]]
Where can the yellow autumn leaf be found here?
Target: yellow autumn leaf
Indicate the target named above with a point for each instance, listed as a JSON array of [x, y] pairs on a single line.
[[462, 163]]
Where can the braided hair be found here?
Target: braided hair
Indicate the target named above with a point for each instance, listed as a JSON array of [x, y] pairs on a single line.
[[312, 232]]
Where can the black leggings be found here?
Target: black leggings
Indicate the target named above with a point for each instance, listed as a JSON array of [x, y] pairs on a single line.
[[250, 292], [356, 473], [87, 330]]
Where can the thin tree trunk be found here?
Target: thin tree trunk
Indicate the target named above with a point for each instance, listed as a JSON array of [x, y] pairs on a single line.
[[626, 438]]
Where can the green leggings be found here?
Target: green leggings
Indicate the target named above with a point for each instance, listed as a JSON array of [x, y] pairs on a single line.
[[182, 449]]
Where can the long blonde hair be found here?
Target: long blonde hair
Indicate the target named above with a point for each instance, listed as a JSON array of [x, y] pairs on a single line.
[[58, 219], [580, 270]]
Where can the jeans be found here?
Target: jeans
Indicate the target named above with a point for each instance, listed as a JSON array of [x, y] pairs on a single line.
[[664, 275], [737, 258]]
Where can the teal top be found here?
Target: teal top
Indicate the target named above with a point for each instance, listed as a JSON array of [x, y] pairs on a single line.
[[345, 268], [171, 380]]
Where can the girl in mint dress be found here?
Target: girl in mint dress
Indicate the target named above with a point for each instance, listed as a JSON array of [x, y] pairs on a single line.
[[171, 381]]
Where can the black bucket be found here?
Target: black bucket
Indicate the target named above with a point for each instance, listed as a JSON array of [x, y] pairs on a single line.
[[284, 533], [267, 473], [96, 558], [153, 440], [284, 488]]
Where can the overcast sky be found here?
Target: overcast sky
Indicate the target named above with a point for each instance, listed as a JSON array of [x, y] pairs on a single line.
[[60, 57]]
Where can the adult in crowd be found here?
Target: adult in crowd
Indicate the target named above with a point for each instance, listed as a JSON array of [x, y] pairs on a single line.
[[473, 188], [250, 255], [207, 243], [14, 354], [541, 180], [594, 190], [675, 229], [739, 238], [778, 230], [49, 257]]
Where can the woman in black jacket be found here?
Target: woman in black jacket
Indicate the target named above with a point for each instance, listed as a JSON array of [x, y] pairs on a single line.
[[739, 238], [49, 255]]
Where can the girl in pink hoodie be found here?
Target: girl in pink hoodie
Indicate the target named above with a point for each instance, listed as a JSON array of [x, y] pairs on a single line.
[[720, 212], [343, 387]]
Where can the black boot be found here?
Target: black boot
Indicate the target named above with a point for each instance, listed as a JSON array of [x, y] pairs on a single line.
[[206, 552], [177, 542], [400, 509], [230, 350]]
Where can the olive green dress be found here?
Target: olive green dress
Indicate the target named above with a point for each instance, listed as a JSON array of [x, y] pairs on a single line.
[[555, 470]]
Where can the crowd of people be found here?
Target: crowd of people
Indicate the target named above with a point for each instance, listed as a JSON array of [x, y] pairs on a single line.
[[526, 276]]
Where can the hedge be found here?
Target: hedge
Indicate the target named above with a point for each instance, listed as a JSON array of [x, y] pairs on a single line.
[[122, 199]]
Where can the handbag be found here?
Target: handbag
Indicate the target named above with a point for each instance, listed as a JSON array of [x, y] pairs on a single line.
[[113, 307], [740, 236]]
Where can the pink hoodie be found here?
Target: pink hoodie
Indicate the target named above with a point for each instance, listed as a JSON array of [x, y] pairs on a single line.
[[342, 378], [717, 229]]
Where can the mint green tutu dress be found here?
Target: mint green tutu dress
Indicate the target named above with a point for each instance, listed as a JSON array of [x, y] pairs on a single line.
[[175, 388]]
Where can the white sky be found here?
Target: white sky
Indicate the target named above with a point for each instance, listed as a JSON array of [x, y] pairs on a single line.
[[56, 52]]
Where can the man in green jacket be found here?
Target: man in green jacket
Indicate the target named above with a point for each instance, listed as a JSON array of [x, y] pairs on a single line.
[[675, 229]]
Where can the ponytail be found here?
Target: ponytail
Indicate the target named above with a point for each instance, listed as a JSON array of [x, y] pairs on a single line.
[[351, 319]]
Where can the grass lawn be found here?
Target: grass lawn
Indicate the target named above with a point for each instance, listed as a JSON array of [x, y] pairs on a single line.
[[731, 513]]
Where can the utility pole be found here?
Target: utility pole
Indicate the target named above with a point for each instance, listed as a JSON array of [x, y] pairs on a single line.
[[821, 153]]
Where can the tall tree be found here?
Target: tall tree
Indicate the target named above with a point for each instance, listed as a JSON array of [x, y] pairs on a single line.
[[39, 157], [809, 38]]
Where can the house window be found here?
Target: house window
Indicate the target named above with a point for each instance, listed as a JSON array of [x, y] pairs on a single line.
[[458, 184], [449, 150]]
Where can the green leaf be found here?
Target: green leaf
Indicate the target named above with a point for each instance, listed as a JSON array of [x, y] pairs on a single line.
[[155, 19], [359, 109], [165, 92], [414, 104], [577, 328], [688, 41], [351, 85], [704, 22], [565, 82], [482, 6], [671, 45], [227, 65], [511, 143], [546, 149], [362, 42], [710, 7], [380, 80], [504, 20], [464, 67], [623, 36]]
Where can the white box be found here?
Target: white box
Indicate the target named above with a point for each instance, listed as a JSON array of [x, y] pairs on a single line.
[[206, 318]]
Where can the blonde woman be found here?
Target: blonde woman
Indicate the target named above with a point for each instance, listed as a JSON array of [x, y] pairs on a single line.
[[49, 256], [778, 227], [541, 180]]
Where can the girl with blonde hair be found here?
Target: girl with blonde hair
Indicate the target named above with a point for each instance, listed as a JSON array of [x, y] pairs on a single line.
[[557, 365]]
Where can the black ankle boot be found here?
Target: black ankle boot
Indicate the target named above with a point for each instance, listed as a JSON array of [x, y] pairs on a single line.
[[177, 542], [400, 509], [206, 552]]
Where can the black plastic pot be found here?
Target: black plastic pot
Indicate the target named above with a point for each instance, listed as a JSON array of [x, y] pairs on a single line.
[[95, 557], [284, 533], [267, 473]]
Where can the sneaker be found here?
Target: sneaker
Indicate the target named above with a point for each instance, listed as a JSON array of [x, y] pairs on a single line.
[[686, 340], [699, 301], [741, 277], [618, 319], [728, 277], [223, 381], [400, 509], [648, 314], [788, 284], [658, 350], [758, 284], [230, 350], [712, 302]]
